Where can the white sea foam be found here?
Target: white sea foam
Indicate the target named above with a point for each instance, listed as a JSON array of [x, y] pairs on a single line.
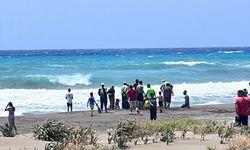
[[151, 56], [57, 66], [211, 103], [45, 101], [70, 80], [187, 63], [179, 53], [230, 52]]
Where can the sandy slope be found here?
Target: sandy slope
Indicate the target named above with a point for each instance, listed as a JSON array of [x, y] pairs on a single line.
[[104, 121]]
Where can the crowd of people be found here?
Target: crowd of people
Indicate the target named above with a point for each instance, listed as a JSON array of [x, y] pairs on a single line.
[[134, 97]]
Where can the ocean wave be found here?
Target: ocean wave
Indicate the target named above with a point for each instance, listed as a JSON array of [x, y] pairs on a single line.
[[69, 80], [231, 52], [51, 100], [187, 63]]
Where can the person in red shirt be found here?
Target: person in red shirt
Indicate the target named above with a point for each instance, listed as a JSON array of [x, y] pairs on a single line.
[[132, 95], [242, 108]]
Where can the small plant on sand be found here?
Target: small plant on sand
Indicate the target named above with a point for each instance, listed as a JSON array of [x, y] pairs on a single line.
[[52, 130], [211, 148], [124, 132], [225, 132], [6, 131], [65, 136], [240, 143]]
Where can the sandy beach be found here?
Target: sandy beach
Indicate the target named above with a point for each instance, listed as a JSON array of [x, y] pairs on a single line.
[[104, 121]]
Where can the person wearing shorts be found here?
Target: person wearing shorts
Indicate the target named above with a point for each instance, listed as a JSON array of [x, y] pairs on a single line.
[[160, 101], [140, 95], [132, 99], [91, 103], [69, 98], [242, 108]]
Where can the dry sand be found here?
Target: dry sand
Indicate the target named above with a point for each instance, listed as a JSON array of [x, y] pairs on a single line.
[[104, 121]]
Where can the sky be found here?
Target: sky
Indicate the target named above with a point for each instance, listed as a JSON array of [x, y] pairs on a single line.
[[90, 24]]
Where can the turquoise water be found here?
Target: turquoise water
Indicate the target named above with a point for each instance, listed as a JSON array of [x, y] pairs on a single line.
[[216, 73]]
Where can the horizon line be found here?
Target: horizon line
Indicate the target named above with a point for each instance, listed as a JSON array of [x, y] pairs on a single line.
[[39, 49]]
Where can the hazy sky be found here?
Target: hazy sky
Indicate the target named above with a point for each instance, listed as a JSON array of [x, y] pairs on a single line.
[[68, 24]]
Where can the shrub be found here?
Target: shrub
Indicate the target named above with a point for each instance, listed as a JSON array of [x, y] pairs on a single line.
[[6, 131]]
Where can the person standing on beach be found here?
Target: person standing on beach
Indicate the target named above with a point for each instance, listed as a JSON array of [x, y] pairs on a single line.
[[186, 98], [11, 117], [136, 83], [69, 97], [167, 94], [91, 103], [124, 92], [245, 92], [242, 108], [163, 85], [132, 99], [150, 96], [111, 95], [102, 92], [140, 95], [160, 101]]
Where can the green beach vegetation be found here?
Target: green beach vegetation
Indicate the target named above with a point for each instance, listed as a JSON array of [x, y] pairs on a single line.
[[64, 136]]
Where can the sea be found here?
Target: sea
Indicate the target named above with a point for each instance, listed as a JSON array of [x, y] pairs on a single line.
[[36, 81]]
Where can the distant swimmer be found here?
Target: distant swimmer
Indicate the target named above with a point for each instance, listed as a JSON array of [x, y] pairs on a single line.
[[69, 98]]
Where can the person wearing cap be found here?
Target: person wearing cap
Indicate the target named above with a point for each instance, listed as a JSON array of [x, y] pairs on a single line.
[[102, 92], [124, 92]]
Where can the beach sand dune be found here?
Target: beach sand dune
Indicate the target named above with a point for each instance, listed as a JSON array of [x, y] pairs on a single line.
[[104, 121]]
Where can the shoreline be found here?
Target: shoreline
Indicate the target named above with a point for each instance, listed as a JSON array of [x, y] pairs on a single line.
[[104, 121]]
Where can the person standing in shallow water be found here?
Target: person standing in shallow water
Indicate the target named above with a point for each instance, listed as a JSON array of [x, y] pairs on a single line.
[[111, 95], [69, 98], [11, 117], [102, 92]]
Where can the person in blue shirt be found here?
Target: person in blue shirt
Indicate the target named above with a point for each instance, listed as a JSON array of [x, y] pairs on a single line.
[[91, 103]]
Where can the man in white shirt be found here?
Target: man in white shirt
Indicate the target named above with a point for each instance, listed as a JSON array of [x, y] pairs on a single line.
[[69, 97]]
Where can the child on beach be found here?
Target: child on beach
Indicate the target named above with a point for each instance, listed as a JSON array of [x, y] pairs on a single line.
[[186, 98], [160, 101], [11, 117], [91, 103]]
